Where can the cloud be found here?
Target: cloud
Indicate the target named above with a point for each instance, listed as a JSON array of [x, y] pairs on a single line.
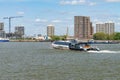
[[118, 18], [20, 12], [118, 23], [72, 2], [92, 3], [77, 2], [66, 13], [101, 21], [113, 0], [21, 0], [56, 21], [40, 20], [97, 21], [109, 21], [13, 0]]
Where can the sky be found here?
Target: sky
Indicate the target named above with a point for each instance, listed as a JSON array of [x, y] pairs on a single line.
[[37, 14]]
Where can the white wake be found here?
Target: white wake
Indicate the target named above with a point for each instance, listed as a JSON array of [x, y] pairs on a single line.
[[104, 51]]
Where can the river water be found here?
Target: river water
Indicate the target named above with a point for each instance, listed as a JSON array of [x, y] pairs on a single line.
[[39, 61]]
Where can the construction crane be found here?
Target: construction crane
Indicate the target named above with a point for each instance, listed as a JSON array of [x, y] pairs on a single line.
[[9, 18]]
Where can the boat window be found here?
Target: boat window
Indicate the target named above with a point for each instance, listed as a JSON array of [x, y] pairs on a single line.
[[62, 43]]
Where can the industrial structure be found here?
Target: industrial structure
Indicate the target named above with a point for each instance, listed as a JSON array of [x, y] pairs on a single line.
[[9, 19]]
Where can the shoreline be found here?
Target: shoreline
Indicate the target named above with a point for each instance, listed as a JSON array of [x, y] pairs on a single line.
[[94, 42], [30, 41], [52, 41]]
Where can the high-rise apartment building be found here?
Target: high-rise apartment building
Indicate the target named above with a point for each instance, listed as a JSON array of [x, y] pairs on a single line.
[[100, 28], [107, 28], [110, 28], [50, 30], [1, 26], [19, 31], [91, 29], [83, 28], [2, 32]]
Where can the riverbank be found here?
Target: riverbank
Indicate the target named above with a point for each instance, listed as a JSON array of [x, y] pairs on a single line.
[[95, 41], [30, 41]]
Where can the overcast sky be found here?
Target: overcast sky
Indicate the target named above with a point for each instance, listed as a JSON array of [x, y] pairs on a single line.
[[60, 13]]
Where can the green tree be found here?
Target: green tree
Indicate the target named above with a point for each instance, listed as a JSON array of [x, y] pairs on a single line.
[[110, 37], [63, 37], [55, 37], [117, 36], [100, 36]]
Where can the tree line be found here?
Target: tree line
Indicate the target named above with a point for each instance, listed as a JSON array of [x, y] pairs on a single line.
[[96, 36], [103, 36], [55, 37]]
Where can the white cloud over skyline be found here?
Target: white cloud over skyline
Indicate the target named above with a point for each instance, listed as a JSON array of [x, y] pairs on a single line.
[[14, 0], [41, 20], [56, 21], [77, 2], [20, 12], [72, 2], [92, 3], [83, 2], [113, 0]]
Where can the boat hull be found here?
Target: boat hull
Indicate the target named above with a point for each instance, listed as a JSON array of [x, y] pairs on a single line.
[[4, 40], [83, 49], [60, 45]]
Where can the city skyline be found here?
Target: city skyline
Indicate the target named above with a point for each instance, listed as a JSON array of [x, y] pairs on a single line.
[[37, 14]]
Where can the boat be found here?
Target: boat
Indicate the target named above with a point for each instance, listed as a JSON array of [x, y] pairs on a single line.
[[74, 45], [61, 44], [82, 46], [4, 40]]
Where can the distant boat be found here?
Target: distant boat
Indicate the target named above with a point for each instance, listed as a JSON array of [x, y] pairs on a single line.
[[102, 42], [61, 44], [4, 40]]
